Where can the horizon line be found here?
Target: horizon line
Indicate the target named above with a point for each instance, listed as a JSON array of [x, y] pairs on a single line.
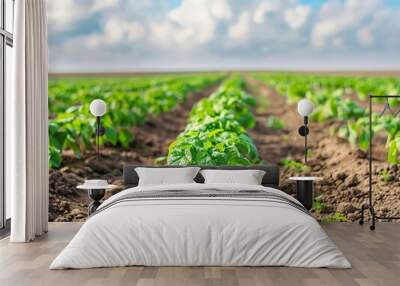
[[360, 71]]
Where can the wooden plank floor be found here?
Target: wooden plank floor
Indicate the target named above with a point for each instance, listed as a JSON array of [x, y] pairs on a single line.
[[375, 257]]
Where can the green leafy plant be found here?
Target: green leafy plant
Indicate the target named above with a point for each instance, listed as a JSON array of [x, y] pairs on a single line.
[[262, 104], [160, 160], [336, 217], [297, 166], [216, 131], [385, 175], [275, 123], [319, 206]]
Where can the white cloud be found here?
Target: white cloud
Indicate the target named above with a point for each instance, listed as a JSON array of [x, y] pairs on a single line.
[[220, 9], [61, 14], [99, 5], [240, 30], [116, 32], [336, 18], [193, 20], [191, 24], [64, 14], [263, 9], [297, 16]]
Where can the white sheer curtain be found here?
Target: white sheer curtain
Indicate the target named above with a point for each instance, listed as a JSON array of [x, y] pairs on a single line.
[[26, 127]]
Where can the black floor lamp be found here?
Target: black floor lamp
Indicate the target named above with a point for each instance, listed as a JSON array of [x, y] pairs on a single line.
[[369, 205], [98, 108], [305, 108], [305, 184]]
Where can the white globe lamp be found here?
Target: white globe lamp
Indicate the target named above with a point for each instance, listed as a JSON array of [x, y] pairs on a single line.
[[98, 107], [305, 107]]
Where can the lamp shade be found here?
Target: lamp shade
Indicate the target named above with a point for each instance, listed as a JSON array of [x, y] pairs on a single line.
[[305, 107], [98, 107]]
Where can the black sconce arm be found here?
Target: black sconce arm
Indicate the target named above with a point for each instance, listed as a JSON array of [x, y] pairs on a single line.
[[303, 131]]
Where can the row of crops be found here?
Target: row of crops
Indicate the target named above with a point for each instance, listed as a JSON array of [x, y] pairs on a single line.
[[216, 130], [129, 101], [345, 99]]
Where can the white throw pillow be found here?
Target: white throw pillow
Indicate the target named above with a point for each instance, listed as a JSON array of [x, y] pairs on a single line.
[[166, 176], [247, 177]]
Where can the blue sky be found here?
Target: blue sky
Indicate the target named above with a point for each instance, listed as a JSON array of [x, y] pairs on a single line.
[[149, 35]]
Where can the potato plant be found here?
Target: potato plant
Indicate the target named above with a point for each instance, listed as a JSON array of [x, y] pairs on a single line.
[[216, 131]]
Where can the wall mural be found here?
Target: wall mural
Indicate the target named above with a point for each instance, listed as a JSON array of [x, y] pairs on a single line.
[[210, 88]]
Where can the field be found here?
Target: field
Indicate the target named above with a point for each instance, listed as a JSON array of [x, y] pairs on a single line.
[[227, 119]]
